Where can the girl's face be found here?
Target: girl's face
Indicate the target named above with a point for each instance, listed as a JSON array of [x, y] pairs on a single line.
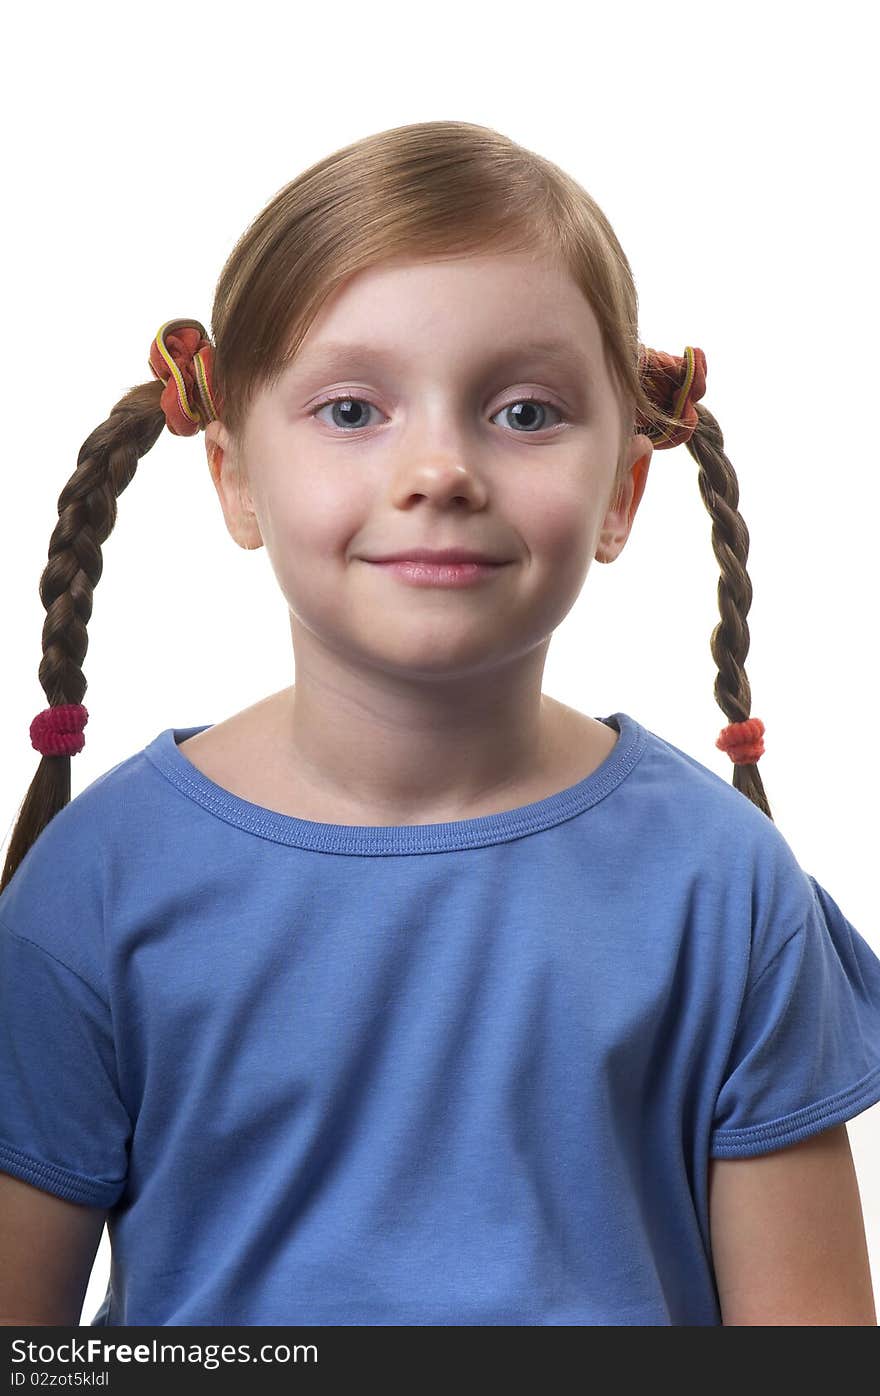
[[429, 449]]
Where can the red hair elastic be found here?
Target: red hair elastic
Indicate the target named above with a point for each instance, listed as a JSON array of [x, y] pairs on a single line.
[[58, 731], [743, 741]]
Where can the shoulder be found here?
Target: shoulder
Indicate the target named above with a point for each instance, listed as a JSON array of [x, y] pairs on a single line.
[[717, 839], [56, 899]]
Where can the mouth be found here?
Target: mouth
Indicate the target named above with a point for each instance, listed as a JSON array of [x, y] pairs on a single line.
[[421, 572], [438, 555]]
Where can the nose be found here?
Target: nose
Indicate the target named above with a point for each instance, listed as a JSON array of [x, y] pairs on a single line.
[[441, 480]]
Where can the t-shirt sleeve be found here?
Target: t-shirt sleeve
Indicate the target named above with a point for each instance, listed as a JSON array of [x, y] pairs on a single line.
[[806, 1051], [63, 1125]]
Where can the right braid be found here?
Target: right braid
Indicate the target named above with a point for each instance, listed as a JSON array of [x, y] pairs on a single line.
[[105, 466]]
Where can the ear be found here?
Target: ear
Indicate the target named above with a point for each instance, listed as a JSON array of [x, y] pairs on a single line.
[[618, 520], [230, 482]]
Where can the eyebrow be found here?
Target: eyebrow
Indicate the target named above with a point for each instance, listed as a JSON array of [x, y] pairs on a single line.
[[340, 355]]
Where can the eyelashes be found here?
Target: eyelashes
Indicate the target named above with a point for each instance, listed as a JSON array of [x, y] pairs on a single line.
[[515, 402]]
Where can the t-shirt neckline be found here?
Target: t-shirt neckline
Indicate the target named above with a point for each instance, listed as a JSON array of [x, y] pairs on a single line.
[[365, 839]]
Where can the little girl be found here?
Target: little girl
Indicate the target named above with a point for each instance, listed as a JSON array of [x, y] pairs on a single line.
[[409, 995]]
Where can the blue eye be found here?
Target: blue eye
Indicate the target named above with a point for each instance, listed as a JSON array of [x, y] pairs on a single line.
[[355, 404], [352, 404], [530, 404]]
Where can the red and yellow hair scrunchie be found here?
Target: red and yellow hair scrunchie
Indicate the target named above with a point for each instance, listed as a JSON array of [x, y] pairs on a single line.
[[182, 356], [675, 384]]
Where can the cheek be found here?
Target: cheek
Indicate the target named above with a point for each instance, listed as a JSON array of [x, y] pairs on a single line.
[[308, 519], [560, 538], [308, 527], [560, 528]]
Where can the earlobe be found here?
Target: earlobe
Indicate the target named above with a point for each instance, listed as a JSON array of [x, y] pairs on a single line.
[[232, 490], [618, 520]]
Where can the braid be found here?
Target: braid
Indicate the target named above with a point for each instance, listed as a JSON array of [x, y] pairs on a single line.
[[105, 466], [730, 539]]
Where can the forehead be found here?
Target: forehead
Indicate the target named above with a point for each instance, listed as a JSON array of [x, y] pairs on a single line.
[[478, 307]]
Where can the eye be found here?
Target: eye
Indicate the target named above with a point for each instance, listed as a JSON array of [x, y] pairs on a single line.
[[531, 404], [349, 405], [355, 405]]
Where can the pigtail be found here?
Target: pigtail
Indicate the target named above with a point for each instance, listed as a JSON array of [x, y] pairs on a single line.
[[105, 466], [729, 644], [669, 412]]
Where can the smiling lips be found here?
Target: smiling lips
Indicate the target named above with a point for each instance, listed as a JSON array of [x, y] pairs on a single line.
[[429, 572], [439, 556]]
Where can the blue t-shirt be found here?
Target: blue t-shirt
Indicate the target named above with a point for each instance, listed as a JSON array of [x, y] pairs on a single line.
[[456, 1073]]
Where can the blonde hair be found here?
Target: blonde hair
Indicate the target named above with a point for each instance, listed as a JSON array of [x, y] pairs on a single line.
[[427, 190]]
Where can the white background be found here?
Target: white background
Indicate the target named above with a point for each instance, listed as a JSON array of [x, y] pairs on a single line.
[[734, 151]]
